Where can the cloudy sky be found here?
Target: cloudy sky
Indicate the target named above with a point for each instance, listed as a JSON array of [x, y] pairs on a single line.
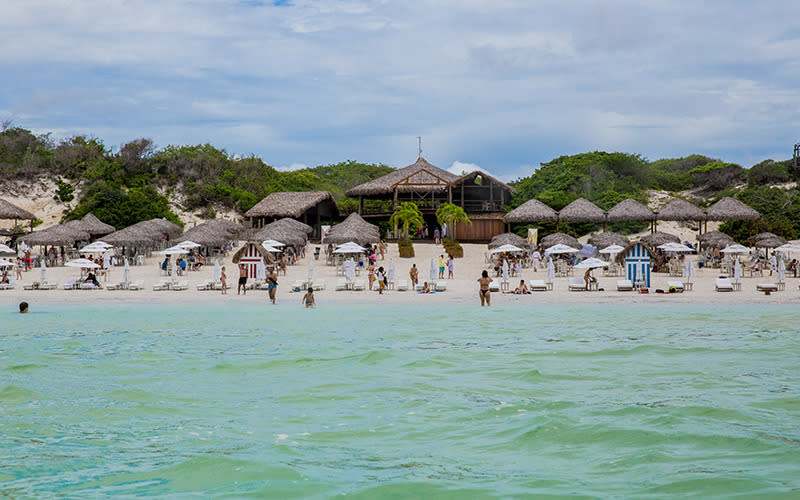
[[502, 84]]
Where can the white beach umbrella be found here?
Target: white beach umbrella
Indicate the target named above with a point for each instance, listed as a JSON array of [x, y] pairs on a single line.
[[96, 247], [390, 271], [6, 249], [310, 270], [174, 251], [737, 270], [781, 269], [188, 244], [505, 270], [82, 263], [43, 271], [174, 268], [688, 270], [349, 247], [551, 269], [261, 271], [273, 243], [507, 248], [591, 263], [126, 272], [674, 247], [271, 249], [217, 270], [611, 249], [106, 260], [735, 248], [350, 269], [560, 248], [434, 273]]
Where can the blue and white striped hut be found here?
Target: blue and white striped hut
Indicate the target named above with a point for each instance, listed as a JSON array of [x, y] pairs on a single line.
[[636, 259]]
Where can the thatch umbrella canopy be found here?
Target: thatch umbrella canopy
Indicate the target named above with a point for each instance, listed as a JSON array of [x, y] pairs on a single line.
[[556, 238], [133, 236], [630, 210], [95, 226], [164, 226], [10, 211], [354, 228], [281, 232], [294, 225], [771, 242], [531, 211], [509, 239], [268, 257], [715, 239], [657, 239], [753, 240], [728, 208], [581, 210], [208, 235], [680, 210], [60, 235], [609, 238]]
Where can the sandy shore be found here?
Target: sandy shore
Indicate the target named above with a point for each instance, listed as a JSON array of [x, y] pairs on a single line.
[[462, 289]]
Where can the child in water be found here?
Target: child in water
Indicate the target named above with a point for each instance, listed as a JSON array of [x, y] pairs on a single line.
[[308, 298]]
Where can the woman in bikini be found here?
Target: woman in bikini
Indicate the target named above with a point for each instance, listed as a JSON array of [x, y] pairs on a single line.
[[484, 292]]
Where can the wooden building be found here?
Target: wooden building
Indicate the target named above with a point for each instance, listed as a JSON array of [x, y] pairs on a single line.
[[310, 207], [479, 194]]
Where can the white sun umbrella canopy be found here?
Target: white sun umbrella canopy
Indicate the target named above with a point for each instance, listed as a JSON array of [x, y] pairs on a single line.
[[96, 247], [82, 263], [688, 270], [188, 244], [349, 247], [176, 250], [43, 271], [674, 247], [551, 269], [434, 273], [788, 247], [217, 270], [6, 249], [390, 271], [560, 248], [505, 270], [261, 271], [735, 248], [507, 249], [126, 272], [591, 263], [611, 249], [271, 249], [273, 243]]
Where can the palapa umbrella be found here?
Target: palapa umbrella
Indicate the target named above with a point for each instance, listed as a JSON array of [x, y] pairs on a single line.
[[559, 248], [217, 270], [715, 239], [609, 238], [770, 242], [591, 263], [657, 238], [509, 239], [6, 249], [559, 238], [506, 248]]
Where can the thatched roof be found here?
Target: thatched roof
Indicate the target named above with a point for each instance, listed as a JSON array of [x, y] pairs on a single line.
[[715, 239], [630, 210], [475, 173], [214, 233], [581, 210], [728, 208], [159, 227], [132, 236], [291, 204], [651, 249], [657, 239], [281, 231], [60, 235], [531, 211], [509, 239], [609, 238], [753, 240], [259, 248], [95, 226], [556, 238], [419, 176], [771, 242], [354, 228], [680, 210], [294, 225], [10, 211]]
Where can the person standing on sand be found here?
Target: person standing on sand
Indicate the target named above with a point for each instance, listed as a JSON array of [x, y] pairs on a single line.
[[484, 292], [272, 284], [242, 287], [451, 266], [381, 280], [441, 267], [370, 274], [224, 281], [413, 273], [308, 298]]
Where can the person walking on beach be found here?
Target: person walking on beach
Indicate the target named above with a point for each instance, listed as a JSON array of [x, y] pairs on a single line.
[[224, 281], [272, 284], [308, 298], [536, 257], [370, 274], [413, 273], [242, 280], [484, 292], [451, 266]]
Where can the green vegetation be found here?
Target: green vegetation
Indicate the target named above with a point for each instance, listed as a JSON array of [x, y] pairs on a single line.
[[451, 214], [408, 216]]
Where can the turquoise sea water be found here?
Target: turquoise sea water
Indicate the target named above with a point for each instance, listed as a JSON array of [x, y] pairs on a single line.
[[400, 402]]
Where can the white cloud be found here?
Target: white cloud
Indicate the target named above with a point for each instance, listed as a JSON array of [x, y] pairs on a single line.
[[292, 167], [461, 168]]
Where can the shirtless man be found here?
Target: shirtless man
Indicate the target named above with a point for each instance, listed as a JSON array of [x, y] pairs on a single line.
[[242, 280], [272, 283], [413, 273], [484, 292], [588, 278]]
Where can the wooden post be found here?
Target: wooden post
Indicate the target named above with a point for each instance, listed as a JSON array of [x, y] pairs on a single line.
[[449, 194], [360, 204], [394, 201]]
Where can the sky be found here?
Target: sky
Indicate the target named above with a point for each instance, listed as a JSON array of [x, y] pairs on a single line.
[[501, 85]]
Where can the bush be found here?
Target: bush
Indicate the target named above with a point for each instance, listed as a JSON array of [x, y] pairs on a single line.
[[768, 172]]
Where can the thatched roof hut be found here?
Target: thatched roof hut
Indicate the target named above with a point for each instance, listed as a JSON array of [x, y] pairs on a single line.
[[581, 210], [10, 211], [60, 235], [609, 238], [556, 238], [214, 233], [95, 226], [419, 176], [281, 231], [256, 245], [133, 236], [292, 204], [171, 229], [771, 242], [753, 240], [715, 239], [354, 228], [630, 210], [531, 211], [658, 238], [680, 210], [509, 239], [728, 208], [294, 225]]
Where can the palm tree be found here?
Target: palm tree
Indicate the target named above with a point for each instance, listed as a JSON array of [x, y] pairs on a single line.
[[450, 214], [408, 215]]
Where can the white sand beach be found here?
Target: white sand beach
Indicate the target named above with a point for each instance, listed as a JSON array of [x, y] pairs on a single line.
[[462, 289]]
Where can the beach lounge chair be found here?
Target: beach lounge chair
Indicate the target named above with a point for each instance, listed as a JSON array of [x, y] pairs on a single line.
[[402, 285], [624, 286], [677, 285], [180, 286], [88, 286], [723, 285], [360, 285], [317, 285], [538, 286], [577, 285], [441, 286], [494, 286], [341, 284], [6, 286], [767, 287], [161, 286], [136, 285]]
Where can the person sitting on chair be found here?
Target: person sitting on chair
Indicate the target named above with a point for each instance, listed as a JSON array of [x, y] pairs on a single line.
[[91, 278]]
